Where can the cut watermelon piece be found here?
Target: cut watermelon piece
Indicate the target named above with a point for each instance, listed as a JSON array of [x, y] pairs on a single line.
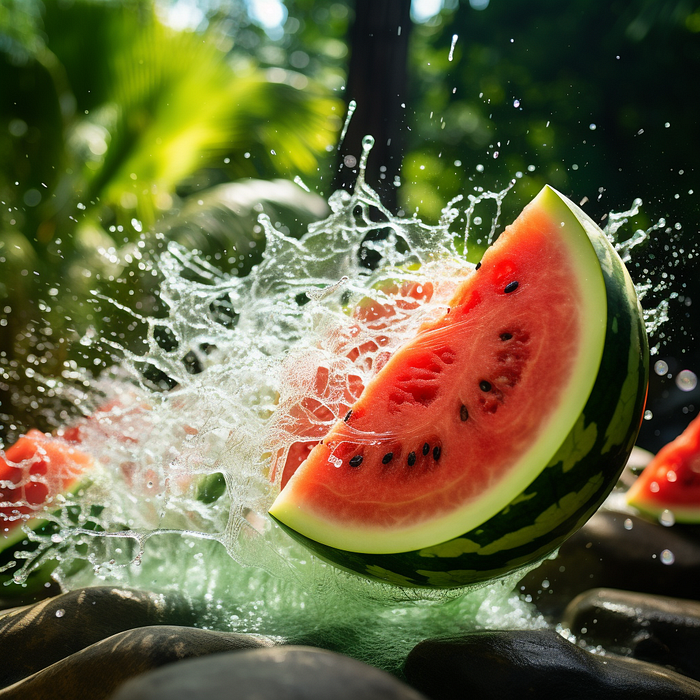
[[671, 481], [33, 472], [495, 432]]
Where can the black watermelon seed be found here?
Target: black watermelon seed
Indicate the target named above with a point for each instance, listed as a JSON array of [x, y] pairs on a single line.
[[506, 336], [426, 448], [484, 385], [347, 415], [436, 452], [478, 265], [463, 412], [411, 459], [387, 457], [356, 461], [511, 287]]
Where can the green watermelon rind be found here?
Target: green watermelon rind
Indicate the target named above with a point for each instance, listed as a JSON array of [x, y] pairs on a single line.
[[572, 485]]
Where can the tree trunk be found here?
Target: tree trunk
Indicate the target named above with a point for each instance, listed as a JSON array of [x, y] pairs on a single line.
[[377, 82]]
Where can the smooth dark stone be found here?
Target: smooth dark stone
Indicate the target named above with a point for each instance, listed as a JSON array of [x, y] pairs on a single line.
[[38, 635], [652, 628], [97, 671], [605, 554], [532, 665], [281, 673]]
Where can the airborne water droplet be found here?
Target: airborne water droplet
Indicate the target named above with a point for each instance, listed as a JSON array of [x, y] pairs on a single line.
[[660, 367], [628, 524], [667, 557], [686, 380], [667, 518], [60, 612], [452, 47]]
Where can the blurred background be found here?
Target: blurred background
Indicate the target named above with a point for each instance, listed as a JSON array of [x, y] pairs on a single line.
[[126, 125]]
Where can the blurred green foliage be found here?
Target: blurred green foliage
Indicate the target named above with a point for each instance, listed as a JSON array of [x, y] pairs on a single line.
[[112, 122], [592, 98]]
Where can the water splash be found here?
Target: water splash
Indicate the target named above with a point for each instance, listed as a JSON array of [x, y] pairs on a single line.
[[184, 478], [655, 317]]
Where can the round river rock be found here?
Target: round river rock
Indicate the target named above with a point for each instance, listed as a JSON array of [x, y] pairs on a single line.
[[280, 673], [652, 628], [535, 664]]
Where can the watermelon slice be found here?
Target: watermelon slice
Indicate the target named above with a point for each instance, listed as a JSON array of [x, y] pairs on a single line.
[[498, 430], [33, 472], [671, 481]]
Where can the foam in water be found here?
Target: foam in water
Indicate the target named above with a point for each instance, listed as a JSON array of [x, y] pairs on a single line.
[[185, 477]]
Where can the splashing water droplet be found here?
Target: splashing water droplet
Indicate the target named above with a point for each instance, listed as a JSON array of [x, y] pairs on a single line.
[[226, 416], [628, 524], [667, 519], [60, 612], [667, 557], [686, 380], [648, 415], [301, 183], [660, 367], [516, 103], [452, 47]]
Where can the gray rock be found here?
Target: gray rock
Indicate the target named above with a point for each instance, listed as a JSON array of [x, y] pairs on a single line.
[[607, 552], [532, 665], [282, 673], [41, 634], [98, 670], [652, 628]]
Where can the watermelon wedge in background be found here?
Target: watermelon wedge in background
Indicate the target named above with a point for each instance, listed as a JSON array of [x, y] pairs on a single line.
[[498, 430], [33, 471], [40, 466], [671, 481]]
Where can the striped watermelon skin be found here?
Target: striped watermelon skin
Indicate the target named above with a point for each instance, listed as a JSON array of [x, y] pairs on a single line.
[[570, 488]]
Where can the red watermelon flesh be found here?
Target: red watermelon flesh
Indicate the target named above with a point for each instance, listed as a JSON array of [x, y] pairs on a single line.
[[671, 481], [33, 472], [333, 394], [445, 424]]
